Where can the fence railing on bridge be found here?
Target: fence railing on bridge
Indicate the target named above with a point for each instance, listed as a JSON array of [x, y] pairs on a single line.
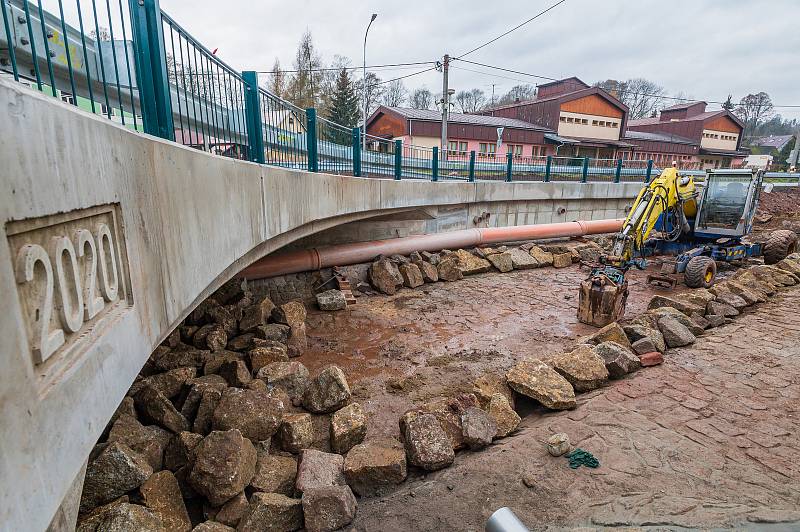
[[136, 65]]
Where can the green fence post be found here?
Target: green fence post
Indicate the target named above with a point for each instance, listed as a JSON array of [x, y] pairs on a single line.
[[472, 165], [252, 111], [649, 170], [585, 172], [151, 68], [357, 152], [435, 164], [311, 139], [547, 168], [619, 171], [398, 159], [509, 163]]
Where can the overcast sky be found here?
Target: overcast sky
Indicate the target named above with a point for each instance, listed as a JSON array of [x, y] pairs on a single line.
[[705, 49]]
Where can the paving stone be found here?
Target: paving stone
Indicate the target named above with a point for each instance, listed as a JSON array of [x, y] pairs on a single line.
[[373, 467], [506, 419], [619, 360], [448, 270], [272, 512], [470, 264], [155, 407], [411, 274], [385, 277], [426, 443], [275, 473], [296, 432], [161, 494], [654, 358], [501, 261], [115, 471], [328, 508], [478, 427], [675, 333], [582, 367], [522, 260], [255, 413], [327, 392], [537, 380], [149, 441], [721, 309], [562, 260], [319, 469], [348, 427], [542, 257], [290, 376], [224, 464]]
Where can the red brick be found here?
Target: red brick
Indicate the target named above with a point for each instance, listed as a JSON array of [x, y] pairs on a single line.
[[653, 358]]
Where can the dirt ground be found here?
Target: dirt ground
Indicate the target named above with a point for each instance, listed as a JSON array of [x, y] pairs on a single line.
[[778, 210], [709, 439]]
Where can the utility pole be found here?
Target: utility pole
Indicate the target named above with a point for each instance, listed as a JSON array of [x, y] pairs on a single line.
[[445, 103], [493, 84], [365, 89]]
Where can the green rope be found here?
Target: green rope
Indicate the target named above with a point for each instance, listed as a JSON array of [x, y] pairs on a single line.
[[579, 457]]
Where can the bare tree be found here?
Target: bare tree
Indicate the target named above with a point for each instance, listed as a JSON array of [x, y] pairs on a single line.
[[373, 89], [277, 80], [396, 94], [421, 99], [518, 93], [754, 109], [470, 101], [305, 85], [642, 96]]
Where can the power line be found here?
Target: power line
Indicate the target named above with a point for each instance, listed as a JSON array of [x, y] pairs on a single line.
[[489, 74], [383, 82], [337, 69], [633, 93], [487, 43]]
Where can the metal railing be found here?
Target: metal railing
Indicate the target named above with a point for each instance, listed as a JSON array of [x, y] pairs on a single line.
[[136, 65]]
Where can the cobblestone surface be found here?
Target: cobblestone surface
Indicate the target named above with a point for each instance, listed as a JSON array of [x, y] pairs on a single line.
[[708, 439]]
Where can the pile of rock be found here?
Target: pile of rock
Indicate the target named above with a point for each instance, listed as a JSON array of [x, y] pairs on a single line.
[[223, 429], [435, 431], [388, 274]]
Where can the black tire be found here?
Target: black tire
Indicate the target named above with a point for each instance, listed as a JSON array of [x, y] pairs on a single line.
[[700, 272], [779, 245]]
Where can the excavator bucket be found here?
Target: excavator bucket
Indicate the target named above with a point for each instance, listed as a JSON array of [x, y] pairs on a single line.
[[601, 300]]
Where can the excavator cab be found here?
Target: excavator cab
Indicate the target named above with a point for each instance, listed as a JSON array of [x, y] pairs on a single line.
[[728, 203]]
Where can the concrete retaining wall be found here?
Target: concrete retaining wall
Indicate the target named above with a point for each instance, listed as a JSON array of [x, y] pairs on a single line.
[[175, 223]]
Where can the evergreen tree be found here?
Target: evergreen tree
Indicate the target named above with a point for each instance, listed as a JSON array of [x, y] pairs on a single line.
[[729, 105], [343, 107]]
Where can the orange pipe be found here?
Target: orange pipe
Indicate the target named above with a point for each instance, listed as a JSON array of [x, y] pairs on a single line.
[[358, 252]]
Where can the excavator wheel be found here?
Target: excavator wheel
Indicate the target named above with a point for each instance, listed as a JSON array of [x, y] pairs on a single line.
[[779, 245], [700, 272]]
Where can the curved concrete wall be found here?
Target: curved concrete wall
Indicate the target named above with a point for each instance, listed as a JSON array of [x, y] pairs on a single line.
[[176, 223]]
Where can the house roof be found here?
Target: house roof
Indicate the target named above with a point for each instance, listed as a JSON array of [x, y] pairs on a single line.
[[565, 97], [657, 137], [685, 105], [459, 118], [773, 141], [698, 117]]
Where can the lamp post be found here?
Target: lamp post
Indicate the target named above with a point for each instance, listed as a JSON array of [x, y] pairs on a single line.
[[364, 87]]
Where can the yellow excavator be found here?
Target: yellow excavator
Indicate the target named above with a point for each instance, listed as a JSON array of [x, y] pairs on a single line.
[[698, 225]]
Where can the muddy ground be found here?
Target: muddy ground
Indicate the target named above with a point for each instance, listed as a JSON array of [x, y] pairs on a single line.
[[709, 439]]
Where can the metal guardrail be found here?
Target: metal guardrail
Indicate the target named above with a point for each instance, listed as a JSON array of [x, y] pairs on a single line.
[[136, 65]]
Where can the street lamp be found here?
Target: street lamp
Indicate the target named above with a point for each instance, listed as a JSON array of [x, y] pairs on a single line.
[[364, 83]]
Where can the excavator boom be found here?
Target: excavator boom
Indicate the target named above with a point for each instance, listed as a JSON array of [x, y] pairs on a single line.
[[670, 198]]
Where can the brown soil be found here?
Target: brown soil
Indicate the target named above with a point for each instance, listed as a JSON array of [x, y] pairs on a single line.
[[708, 439], [401, 350], [779, 209]]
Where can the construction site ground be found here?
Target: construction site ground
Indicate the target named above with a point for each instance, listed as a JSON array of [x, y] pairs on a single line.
[[707, 440]]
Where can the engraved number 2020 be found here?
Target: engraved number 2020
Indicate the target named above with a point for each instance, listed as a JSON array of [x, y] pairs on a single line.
[[69, 288]]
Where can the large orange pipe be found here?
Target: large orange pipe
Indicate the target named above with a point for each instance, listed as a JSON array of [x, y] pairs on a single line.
[[358, 252]]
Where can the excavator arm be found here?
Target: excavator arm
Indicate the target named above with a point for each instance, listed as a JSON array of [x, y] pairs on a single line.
[[670, 198]]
